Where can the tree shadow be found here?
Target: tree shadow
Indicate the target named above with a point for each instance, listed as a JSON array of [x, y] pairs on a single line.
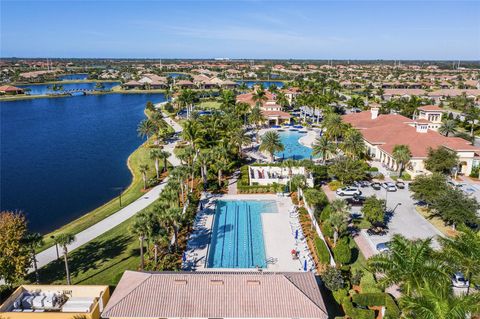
[[88, 257]]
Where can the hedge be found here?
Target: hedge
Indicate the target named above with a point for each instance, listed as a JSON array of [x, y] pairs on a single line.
[[342, 252], [316, 199], [378, 299], [322, 251], [356, 313], [334, 185], [368, 284]]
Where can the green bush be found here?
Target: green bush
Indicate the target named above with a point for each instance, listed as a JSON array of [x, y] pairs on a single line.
[[340, 295], [373, 169], [368, 283], [342, 252], [392, 310], [356, 313], [369, 299], [406, 177], [380, 177], [327, 230], [325, 214], [334, 185], [316, 199], [322, 251]]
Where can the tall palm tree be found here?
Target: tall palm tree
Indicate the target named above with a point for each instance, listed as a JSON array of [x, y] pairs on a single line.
[[334, 126], [448, 127], [271, 143], [186, 99], [227, 99], [240, 138], [353, 144], [192, 132], [439, 303], [33, 241], [323, 147], [256, 118], [146, 128], [409, 264], [463, 252], [221, 163], [338, 217], [164, 155], [298, 181], [356, 102], [172, 217], [64, 240], [203, 160], [290, 164], [143, 168], [259, 97], [401, 155], [156, 155], [139, 228]]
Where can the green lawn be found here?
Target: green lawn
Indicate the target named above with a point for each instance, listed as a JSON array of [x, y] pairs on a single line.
[[133, 192], [211, 105], [101, 261]]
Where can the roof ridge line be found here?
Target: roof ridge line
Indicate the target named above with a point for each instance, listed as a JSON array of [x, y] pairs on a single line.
[[303, 293]]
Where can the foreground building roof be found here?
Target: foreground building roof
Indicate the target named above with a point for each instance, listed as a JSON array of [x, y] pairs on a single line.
[[216, 295]]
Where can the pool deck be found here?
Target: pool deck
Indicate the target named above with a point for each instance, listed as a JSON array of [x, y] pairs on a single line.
[[277, 235]]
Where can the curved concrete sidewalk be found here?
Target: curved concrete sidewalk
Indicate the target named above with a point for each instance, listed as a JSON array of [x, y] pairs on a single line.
[[50, 254]]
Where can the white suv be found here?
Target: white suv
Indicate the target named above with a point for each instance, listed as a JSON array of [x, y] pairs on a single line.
[[349, 191]]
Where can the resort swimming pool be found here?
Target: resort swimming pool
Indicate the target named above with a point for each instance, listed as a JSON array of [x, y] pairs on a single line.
[[237, 235], [293, 148]]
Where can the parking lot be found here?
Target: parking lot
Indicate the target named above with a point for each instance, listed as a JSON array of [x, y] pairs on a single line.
[[404, 220]]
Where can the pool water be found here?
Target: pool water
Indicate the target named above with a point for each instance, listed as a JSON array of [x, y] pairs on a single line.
[[293, 148], [237, 235]]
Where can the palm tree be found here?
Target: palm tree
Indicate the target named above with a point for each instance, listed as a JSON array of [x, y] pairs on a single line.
[[353, 144], [64, 240], [463, 253], [186, 99], [448, 127], [143, 170], [227, 99], [256, 118], [409, 264], [203, 159], [271, 143], [323, 147], [298, 181], [155, 154], [356, 102], [164, 155], [289, 163], [401, 155], [192, 132], [146, 128], [139, 228], [259, 96], [338, 217], [33, 241], [439, 303], [221, 163], [334, 126], [240, 138], [172, 217]]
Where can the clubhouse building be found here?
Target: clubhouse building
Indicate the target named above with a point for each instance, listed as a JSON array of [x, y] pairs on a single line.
[[381, 132]]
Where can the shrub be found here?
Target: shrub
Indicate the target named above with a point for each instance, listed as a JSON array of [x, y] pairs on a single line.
[[342, 252], [333, 279], [334, 185], [325, 214], [392, 311], [368, 283], [356, 313], [322, 251], [316, 198], [340, 295], [356, 277], [369, 299], [327, 230], [406, 177], [373, 169], [380, 177]]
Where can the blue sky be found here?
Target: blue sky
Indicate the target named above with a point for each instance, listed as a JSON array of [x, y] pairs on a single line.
[[242, 29]]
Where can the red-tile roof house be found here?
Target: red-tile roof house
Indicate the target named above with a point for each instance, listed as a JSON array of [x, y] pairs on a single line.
[[10, 90], [216, 295], [382, 132], [271, 111]]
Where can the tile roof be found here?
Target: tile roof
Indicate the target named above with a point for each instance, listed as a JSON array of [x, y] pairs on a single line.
[[388, 130], [431, 108], [216, 295]]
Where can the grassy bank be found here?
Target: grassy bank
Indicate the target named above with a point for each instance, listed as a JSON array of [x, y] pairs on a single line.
[[133, 192]]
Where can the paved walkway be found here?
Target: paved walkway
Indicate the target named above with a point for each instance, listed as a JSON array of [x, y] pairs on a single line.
[[50, 254]]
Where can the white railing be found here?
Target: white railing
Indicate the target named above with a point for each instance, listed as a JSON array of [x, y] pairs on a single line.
[[311, 213]]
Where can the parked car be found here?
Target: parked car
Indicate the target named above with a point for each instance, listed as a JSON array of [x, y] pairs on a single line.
[[383, 247], [400, 185], [356, 200], [389, 186], [376, 186], [348, 191], [459, 281]]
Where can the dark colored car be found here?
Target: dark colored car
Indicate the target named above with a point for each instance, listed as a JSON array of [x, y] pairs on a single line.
[[356, 200], [376, 186], [400, 185]]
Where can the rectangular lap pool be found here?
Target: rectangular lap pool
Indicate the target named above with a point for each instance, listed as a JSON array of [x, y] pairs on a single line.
[[237, 234]]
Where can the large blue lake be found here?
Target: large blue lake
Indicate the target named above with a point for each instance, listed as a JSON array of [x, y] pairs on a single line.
[[62, 157], [41, 89], [266, 84]]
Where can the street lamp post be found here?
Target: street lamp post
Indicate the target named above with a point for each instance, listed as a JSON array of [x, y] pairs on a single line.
[[56, 246]]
